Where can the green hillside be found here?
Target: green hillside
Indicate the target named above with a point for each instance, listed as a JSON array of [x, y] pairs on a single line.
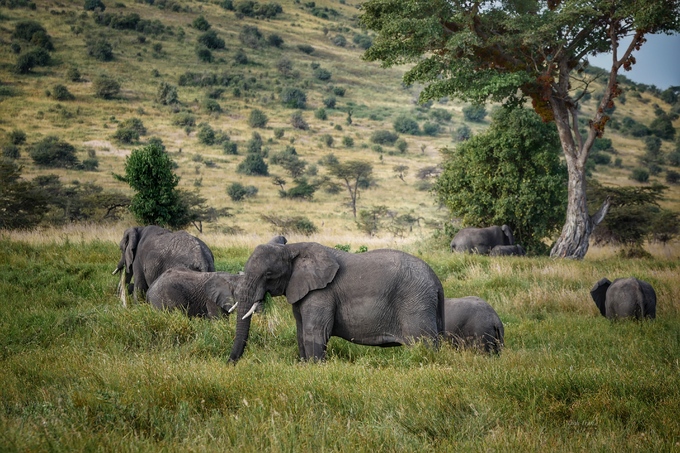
[[174, 86]]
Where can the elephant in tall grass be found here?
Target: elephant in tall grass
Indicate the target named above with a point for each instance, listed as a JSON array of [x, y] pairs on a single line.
[[203, 294], [481, 240], [147, 252], [508, 250], [472, 323], [624, 298], [378, 298]]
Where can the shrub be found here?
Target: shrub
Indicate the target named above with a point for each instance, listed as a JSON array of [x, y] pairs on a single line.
[[474, 113], [431, 129], [212, 106], [257, 118], [347, 141], [674, 158], [17, 136], [100, 49], [322, 74], [363, 41], [31, 59], [206, 134], [401, 145], [54, 152], [320, 114], [293, 98], [90, 164], [61, 93], [462, 133], [167, 94], [274, 40], [327, 140], [440, 115], [639, 175], [91, 5], [329, 102], [127, 136], [250, 36], [305, 48], [239, 192], [204, 54], [284, 66], [184, 119], [73, 74], [11, 151], [601, 158], [298, 122], [301, 191], [279, 132], [230, 147], [254, 145], [210, 40], [201, 23], [339, 91], [33, 32], [339, 40], [253, 165], [105, 87], [135, 124], [672, 177], [406, 125], [382, 137], [240, 57], [291, 225]]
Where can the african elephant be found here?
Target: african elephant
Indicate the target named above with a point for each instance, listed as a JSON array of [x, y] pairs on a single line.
[[481, 240], [147, 252], [508, 250], [205, 294], [379, 298], [472, 322], [624, 298]]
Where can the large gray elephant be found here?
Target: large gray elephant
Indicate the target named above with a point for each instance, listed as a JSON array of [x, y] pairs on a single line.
[[508, 250], [472, 322], [378, 298], [624, 298], [147, 252], [204, 294], [481, 240]]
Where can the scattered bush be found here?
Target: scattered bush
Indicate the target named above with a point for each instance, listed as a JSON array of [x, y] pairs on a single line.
[[254, 145], [600, 158], [672, 177], [204, 54], [210, 40], [431, 129], [240, 57], [33, 32], [201, 23], [339, 91], [440, 115], [291, 225], [100, 49], [474, 113], [320, 114], [105, 87], [253, 165], [206, 134], [322, 74], [462, 133], [239, 192], [329, 102], [73, 74], [54, 152], [363, 41], [35, 57], [279, 132], [11, 151], [639, 175], [406, 125], [251, 36], [167, 94], [91, 5], [382, 137], [305, 48], [293, 98], [347, 141], [230, 147], [401, 145], [298, 122], [212, 106], [674, 158], [17, 136], [184, 119], [257, 118], [301, 191], [327, 139], [61, 93], [274, 40], [254, 9], [284, 66], [339, 40]]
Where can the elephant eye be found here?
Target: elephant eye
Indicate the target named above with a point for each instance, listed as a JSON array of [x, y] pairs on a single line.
[[268, 274]]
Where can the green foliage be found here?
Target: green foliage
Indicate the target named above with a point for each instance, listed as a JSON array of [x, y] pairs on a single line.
[[251, 36], [148, 171], [474, 113], [306, 48], [91, 5], [293, 98], [431, 129], [105, 87], [339, 91], [201, 23], [355, 175], [17, 137], [28, 60], [258, 10], [383, 137], [662, 127], [347, 141], [204, 54], [253, 165], [339, 40], [167, 94], [23, 203], [511, 174], [298, 122], [406, 125], [322, 74], [100, 49], [257, 118], [275, 40], [206, 134], [672, 177], [291, 225], [54, 152], [61, 93], [254, 145], [440, 115], [239, 192], [639, 175], [210, 40], [34, 33], [369, 220], [184, 119], [329, 102], [327, 139], [401, 145], [11, 151], [303, 190], [320, 114], [362, 40]]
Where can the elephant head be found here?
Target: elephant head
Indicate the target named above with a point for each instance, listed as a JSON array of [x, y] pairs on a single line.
[[509, 239], [278, 269], [128, 248]]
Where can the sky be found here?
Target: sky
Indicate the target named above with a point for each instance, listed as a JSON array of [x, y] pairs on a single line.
[[658, 61]]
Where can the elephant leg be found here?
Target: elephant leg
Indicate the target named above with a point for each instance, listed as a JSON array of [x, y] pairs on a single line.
[[317, 326], [298, 325]]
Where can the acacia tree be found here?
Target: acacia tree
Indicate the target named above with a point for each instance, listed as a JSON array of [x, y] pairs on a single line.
[[353, 173], [506, 51]]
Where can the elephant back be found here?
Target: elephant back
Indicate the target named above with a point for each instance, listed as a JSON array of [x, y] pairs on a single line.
[[190, 252]]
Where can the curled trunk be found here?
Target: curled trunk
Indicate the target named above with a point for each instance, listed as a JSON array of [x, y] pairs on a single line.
[[245, 303]]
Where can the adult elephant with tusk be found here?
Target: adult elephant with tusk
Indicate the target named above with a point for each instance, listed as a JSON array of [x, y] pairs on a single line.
[[147, 252], [378, 298]]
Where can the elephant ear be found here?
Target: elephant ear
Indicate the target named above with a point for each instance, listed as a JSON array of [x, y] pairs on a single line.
[[221, 288], [508, 234], [129, 243], [649, 302], [599, 294], [278, 240], [314, 267]]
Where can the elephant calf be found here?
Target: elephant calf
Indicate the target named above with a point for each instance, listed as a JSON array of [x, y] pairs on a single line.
[[508, 250], [624, 298], [481, 240], [471, 322], [205, 294]]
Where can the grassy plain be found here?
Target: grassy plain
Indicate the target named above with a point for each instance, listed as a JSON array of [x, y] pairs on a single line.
[[82, 373]]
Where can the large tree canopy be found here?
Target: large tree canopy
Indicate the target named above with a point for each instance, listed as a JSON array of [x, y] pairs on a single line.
[[507, 51]]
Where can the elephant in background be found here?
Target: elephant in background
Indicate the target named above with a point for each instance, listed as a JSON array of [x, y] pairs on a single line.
[[481, 240], [508, 250], [472, 323], [147, 252], [204, 294], [378, 298], [624, 298]]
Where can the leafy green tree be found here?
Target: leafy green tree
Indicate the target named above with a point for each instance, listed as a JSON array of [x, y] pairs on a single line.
[[354, 174], [257, 118], [253, 165], [508, 51], [149, 172], [105, 87], [474, 113], [200, 23], [406, 125], [22, 204], [54, 152], [370, 219], [293, 98], [510, 174]]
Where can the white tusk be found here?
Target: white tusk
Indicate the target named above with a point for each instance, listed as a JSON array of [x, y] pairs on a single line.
[[122, 287], [252, 310], [233, 307], [115, 271]]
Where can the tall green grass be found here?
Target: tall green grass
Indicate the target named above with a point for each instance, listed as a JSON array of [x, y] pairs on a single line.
[[80, 373]]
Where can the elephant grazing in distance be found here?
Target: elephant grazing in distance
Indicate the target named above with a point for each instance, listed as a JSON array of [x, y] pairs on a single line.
[[508, 250], [204, 294], [625, 298], [377, 298], [481, 240], [472, 322], [147, 252]]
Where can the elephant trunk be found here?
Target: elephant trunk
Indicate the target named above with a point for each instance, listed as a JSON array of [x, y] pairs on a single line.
[[246, 302]]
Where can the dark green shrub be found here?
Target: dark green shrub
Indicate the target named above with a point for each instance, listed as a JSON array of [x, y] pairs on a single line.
[[279, 132], [257, 118], [329, 102], [11, 151], [251, 36], [274, 40], [254, 145], [339, 91], [31, 59], [17, 136], [382, 137], [212, 106], [674, 158], [462, 133], [61, 93], [322, 74], [33, 32], [662, 127], [293, 98], [672, 177], [240, 57], [339, 40], [239, 192], [406, 125], [347, 141], [72, 74], [200, 23], [301, 191], [639, 130], [100, 49], [125, 135], [284, 66], [601, 158], [204, 54], [440, 115], [90, 164], [320, 114], [167, 94], [206, 134], [54, 152], [298, 122], [327, 139], [253, 165], [184, 119], [91, 5], [474, 113], [401, 145], [230, 147], [639, 175], [135, 124], [305, 48], [210, 40], [291, 225], [105, 87], [431, 129], [363, 41]]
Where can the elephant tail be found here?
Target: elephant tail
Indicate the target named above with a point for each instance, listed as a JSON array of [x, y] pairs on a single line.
[[441, 328]]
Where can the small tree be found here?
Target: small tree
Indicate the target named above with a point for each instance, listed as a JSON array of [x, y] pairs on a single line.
[[23, 203], [257, 118], [253, 165], [401, 171], [54, 152], [474, 113], [105, 87], [167, 94], [353, 173], [148, 171], [293, 98]]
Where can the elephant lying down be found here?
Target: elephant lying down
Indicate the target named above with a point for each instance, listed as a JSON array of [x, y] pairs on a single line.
[[205, 294], [624, 298], [472, 322]]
